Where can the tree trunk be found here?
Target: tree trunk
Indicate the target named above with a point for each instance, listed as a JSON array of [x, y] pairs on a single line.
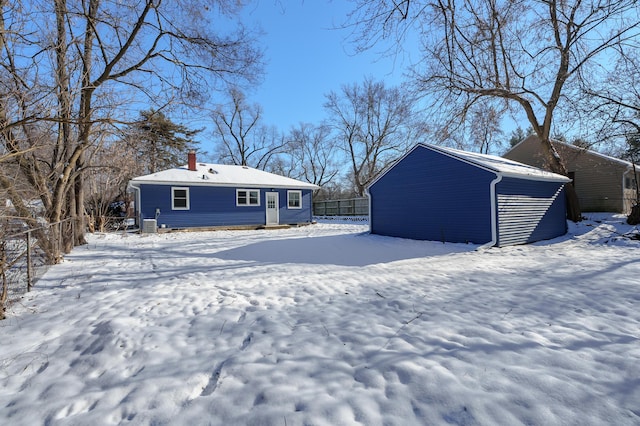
[[85, 124], [634, 216], [555, 164], [574, 213], [78, 209], [5, 286]]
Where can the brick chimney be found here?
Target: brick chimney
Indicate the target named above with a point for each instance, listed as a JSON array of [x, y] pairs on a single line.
[[191, 160]]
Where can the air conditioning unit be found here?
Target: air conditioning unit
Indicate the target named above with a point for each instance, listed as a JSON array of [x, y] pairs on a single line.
[[149, 226]]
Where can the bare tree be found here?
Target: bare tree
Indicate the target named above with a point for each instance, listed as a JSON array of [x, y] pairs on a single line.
[[71, 69], [485, 128], [244, 140], [372, 124], [614, 107], [524, 53], [313, 154], [112, 165]]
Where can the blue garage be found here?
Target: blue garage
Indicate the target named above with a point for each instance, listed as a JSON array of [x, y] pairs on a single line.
[[443, 194], [212, 195]]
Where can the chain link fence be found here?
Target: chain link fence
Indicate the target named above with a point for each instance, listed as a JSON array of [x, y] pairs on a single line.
[[23, 258]]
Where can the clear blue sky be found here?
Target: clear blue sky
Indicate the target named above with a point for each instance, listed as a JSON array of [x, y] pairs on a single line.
[[306, 59]]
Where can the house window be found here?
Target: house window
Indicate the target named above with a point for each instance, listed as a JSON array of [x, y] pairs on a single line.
[[180, 198], [630, 183], [247, 197], [294, 199]]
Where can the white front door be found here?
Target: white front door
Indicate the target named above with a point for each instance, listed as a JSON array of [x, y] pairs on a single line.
[[272, 208]]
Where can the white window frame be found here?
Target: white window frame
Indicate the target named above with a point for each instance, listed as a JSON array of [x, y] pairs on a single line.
[[247, 197], [173, 197], [289, 206]]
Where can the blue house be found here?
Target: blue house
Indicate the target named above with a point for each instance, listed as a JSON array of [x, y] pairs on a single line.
[[210, 195], [443, 194]]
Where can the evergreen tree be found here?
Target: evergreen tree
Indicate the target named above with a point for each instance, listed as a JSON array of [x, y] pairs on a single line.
[[159, 142], [518, 135]]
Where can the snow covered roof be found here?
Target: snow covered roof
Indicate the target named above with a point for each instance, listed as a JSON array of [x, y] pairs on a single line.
[[578, 150], [589, 151], [500, 165], [221, 175], [492, 163]]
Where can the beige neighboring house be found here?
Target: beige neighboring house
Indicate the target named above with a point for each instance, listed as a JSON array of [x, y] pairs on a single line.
[[603, 183]]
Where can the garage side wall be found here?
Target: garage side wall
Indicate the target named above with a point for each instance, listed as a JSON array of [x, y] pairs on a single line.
[[431, 196], [529, 211]]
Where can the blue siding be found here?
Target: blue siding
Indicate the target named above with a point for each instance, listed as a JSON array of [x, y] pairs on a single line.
[[303, 215], [216, 206], [530, 211], [431, 196]]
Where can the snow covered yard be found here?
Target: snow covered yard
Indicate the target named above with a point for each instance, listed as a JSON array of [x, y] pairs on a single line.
[[328, 325]]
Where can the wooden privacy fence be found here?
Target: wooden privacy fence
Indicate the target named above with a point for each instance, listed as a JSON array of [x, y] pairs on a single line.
[[349, 207], [23, 260]]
